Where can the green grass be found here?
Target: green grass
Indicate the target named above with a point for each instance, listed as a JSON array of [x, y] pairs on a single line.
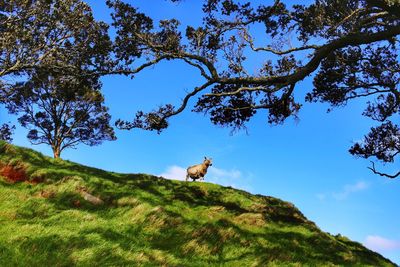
[[150, 221]]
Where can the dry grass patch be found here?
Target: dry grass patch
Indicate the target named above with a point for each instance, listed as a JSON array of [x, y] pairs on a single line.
[[253, 219], [127, 201]]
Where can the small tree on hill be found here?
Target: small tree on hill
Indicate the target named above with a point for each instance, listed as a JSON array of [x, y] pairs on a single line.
[[34, 32], [6, 131], [60, 110]]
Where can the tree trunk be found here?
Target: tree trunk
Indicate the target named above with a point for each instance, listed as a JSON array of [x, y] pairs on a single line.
[[56, 152]]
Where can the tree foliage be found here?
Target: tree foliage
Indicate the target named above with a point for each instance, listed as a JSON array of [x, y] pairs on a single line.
[[56, 51], [61, 111], [350, 48], [6, 132], [33, 33]]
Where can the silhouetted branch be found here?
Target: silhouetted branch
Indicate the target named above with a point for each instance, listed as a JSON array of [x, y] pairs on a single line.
[[383, 174]]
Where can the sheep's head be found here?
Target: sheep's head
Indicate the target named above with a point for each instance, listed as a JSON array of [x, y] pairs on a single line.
[[207, 162]]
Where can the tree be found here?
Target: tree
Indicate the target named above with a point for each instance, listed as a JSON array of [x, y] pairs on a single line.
[[6, 131], [61, 36], [60, 110], [31, 31], [349, 46]]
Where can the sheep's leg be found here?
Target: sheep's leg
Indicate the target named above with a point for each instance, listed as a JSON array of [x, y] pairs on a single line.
[[187, 177]]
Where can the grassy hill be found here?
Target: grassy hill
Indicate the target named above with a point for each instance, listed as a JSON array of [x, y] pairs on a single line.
[[59, 213]]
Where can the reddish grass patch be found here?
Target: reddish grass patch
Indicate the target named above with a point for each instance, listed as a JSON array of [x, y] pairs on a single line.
[[14, 174], [76, 203], [36, 180]]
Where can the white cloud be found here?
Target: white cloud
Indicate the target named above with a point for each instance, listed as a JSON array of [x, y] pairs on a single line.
[[174, 173], [381, 244], [221, 174], [349, 189], [233, 177], [345, 192]]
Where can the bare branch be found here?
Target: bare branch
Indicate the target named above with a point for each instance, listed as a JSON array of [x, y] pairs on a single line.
[[130, 71], [383, 174], [249, 40], [187, 97], [355, 12], [202, 70]]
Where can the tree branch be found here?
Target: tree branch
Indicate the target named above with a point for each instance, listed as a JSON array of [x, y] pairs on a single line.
[[247, 37], [242, 89], [392, 7], [187, 97], [383, 174], [321, 53]]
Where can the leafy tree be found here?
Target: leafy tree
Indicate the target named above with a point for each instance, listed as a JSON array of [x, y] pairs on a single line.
[[31, 31], [62, 37], [60, 110], [350, 48], [6, 131]]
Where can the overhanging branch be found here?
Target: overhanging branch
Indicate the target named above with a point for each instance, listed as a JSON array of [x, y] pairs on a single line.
[[381, 173], [319, 55]]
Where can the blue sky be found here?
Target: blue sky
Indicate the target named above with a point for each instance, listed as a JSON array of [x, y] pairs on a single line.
[[305, 162]]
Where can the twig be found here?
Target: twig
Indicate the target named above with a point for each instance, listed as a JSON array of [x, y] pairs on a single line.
[[382, 174]]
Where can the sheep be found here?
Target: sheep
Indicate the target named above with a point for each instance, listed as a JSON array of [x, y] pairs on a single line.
[[198, 171]]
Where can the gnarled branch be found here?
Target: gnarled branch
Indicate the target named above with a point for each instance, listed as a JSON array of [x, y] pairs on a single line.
[[381, 173]]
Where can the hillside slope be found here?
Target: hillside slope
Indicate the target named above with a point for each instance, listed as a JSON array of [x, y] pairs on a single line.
[[59, 213]]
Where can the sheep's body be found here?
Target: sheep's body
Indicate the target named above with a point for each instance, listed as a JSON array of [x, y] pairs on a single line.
[[198, 171]]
